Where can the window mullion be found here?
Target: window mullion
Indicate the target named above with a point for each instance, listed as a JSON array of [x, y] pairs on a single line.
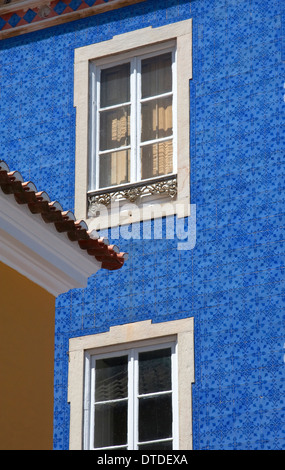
[[174, 379], [92, 126], [138, 126], [155, 97], [97, 126], [155, 394], [115, 149], [174, 109], [157, 140], [131, 400], [92, 404], [115, 106], [136, 400], [133, 122]]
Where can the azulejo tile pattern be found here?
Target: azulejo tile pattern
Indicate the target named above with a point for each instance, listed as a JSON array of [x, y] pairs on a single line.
[[283, 34], [232, 282], [53, 9]]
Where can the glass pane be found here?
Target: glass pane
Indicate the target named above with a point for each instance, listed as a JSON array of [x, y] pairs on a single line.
[[111, 378], [114, 168], [115, 128], [156, 75], [157, 446], [156, 119], [115, 85], [155, 417], [111, 424], [155, 371], [156, 159]]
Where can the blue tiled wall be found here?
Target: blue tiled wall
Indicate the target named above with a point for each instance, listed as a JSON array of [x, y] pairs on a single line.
[[232, 282]]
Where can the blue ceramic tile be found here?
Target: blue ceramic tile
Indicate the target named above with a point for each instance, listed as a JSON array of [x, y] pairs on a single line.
[[29, 16]]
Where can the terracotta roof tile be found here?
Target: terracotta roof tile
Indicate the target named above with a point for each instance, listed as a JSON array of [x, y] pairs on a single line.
[[38, 202]]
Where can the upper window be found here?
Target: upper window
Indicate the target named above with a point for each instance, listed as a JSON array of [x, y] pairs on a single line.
[[132, 400], [132, 124]]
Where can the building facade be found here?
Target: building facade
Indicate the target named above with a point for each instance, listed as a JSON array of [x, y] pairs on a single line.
[[161, 124]]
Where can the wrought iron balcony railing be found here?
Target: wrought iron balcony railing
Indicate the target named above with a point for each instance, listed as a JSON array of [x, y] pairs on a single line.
[[166, 185]]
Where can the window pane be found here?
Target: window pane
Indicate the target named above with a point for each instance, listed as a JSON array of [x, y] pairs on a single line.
[[111, 424], [111, 378], [156, 159], [156, 119], [155, 371], [114, 168], [157, 446], [155, 417], [115, 128], [115, 85], [156, 75]]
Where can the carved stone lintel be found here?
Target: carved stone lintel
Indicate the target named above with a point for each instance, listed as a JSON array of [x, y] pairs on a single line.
[[166, 186]]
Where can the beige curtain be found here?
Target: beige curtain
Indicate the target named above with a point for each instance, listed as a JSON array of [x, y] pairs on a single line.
[[156, 116], [156, 75], [115, 126], [157, 159]]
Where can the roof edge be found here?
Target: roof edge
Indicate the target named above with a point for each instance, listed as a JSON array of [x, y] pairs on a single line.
[[45, 243]]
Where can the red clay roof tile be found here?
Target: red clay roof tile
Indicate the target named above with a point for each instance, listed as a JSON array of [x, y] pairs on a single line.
[[38, 202]]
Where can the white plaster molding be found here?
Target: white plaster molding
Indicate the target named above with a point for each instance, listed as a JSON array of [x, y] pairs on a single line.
[[39, 252]]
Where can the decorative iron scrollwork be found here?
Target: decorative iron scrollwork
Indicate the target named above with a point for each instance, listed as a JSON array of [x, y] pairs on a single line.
[[166, 186]]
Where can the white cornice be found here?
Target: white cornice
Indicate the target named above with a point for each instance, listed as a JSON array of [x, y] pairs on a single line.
[[39, 252]]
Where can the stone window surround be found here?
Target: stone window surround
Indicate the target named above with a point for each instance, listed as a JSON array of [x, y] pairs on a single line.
[[126, 336], [181, 32]]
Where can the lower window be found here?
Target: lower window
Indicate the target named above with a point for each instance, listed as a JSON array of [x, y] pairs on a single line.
[[131, 387], [132, 399]]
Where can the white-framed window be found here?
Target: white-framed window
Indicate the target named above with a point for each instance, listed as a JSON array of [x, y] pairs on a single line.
[[142, 367], [132, 101], [133, 118], [131, 400]]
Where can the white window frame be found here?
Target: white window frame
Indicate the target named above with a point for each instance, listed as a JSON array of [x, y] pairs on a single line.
[[128, 336], [180, 34], [134, 58], [133, 395]]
